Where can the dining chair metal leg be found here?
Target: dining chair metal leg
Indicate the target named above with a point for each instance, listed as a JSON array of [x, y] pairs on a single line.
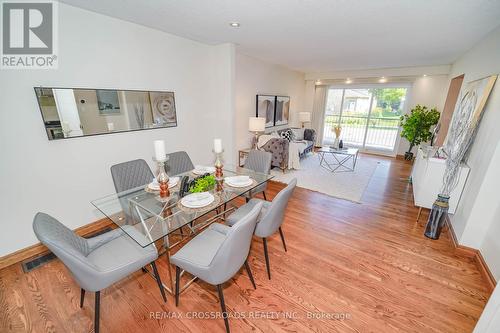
[[249, 272], [282, 238], [247, 199], [158, 280], [177, 283], [264, 194], [82, 296], [264, 241], [144, 270], [97, 310], [223, 307]]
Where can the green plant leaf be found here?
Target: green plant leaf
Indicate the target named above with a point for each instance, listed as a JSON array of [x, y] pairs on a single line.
[[417, 124], [203, 184]]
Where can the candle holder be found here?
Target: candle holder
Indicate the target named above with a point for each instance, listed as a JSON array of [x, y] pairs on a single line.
[[219, 174], [162, 178]]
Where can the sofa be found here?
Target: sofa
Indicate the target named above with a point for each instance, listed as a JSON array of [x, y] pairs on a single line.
[[278, 147]]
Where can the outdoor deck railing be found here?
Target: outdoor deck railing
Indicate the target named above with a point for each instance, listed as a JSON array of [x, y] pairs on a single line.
[[382, 131]]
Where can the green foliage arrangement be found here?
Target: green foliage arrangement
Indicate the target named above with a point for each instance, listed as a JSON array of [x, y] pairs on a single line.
[[203, 184], [416, 126]]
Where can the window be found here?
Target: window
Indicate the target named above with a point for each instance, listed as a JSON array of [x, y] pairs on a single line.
[[369, 117]]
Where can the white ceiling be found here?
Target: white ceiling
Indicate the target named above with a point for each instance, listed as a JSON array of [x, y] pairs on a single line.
[[321, 35]]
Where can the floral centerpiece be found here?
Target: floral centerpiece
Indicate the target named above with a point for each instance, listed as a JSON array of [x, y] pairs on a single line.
[[337, 130]]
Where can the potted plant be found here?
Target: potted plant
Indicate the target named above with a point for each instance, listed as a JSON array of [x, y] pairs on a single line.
[[416, 126]]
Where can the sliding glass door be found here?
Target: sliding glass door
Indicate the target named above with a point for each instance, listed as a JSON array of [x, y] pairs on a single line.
[[369, 117]]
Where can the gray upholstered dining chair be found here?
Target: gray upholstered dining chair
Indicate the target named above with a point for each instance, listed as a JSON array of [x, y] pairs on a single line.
[[131, 174], [96, 262], [178, 162], [258, 161], [217, 253], [270, 219]]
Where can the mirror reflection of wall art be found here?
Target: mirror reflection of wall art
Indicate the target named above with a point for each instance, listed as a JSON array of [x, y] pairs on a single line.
[[265, 108], [282, 110], [107, 101], [163, 104]]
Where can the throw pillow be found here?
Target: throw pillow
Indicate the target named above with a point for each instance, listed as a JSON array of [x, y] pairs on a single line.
[[298, 133], [287, 134]]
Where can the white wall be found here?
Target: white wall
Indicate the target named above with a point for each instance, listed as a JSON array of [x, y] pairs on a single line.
[[62, 177], [489, 322], [427, 91], [253, 77], [477, 220], [395, 72]]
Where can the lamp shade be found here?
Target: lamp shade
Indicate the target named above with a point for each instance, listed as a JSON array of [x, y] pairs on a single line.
[[304, 117], [256, 124]]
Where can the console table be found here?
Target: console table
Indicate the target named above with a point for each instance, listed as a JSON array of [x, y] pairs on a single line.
[[427, 178]]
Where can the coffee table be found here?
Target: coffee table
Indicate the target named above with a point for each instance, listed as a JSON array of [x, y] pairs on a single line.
[[340, 159]]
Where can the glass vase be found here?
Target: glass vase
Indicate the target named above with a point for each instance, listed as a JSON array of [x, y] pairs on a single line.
[[437, 217], [163, 179]]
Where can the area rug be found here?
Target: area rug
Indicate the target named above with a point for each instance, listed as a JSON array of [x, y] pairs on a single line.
[[348, 185]]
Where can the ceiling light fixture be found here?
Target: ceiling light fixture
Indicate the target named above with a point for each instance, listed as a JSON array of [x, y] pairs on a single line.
[[234, 24], [348, 81], [425, 75], [318, 81], [382, 79]]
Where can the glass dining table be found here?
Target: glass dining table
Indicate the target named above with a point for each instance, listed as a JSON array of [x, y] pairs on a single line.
[[148, 219]]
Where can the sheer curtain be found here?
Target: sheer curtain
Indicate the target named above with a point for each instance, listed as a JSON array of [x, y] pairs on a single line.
[[318, 113]]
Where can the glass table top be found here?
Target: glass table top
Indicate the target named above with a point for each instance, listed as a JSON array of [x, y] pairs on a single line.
[[146, 218], [344, 151]]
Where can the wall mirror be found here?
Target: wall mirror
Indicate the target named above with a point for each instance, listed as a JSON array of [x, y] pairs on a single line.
[[69, 112]]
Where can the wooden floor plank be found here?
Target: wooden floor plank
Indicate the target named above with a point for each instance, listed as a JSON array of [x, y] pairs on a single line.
[[366, 260]]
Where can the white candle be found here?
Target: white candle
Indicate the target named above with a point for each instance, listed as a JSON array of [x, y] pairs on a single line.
[[160, 153], [218, 145]]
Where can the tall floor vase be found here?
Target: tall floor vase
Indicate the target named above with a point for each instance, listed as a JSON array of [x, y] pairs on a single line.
[[437, 217]]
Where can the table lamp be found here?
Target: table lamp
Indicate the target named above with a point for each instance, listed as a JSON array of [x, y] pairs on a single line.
[[304, 117], [256, 125]]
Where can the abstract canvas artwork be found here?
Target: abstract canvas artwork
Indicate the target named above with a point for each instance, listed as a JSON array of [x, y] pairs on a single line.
[[466, 117], [163, 105], [282, 110], [265, 108], [276, 109]]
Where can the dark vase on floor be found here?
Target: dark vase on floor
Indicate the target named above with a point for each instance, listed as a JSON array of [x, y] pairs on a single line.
[[437, 217]]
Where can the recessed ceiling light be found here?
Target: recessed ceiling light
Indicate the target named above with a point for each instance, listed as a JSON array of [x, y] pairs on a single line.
[[425, 75], [318, 81], [348, 81], [234, 24], [382, 79]]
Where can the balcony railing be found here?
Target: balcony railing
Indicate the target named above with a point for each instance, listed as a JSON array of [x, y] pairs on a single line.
[[382, 132]]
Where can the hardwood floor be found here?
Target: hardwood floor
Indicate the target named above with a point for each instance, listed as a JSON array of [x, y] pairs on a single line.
[[349, 268]]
